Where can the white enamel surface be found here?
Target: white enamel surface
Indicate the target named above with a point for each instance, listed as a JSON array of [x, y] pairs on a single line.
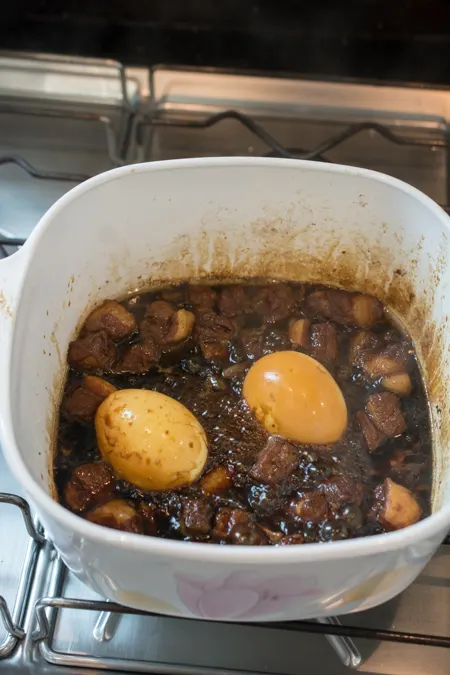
[[148, 221]]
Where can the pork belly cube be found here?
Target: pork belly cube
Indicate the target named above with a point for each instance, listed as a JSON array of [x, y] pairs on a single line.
[[111, 317], [393, 359], [82, 402], [90, 484], [396, 505], [93, 352], [195, 517], [373, 436], [385, 411], [349, 309], [235, 526], [324, 345], [361, 343], [276, 461], [118, 514]]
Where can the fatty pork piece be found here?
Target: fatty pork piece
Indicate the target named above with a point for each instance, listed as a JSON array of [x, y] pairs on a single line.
[[274, 302], [385, 412], [330, 498], [216, 480], [235, 526], [278, 460], [390, 363], [122, 514], [195, 518], [162, 328], [112, 318], [94, 352], [324, 345], [201, 297], [235, 300], [311, 507], [89, 485], [372, 435], [391, 360], [164, 325], [350, 309], [299, 333], [362, 344], [138, 359], [396, 506], [82, 402], [342, 490], [214, 332], [398, 383]]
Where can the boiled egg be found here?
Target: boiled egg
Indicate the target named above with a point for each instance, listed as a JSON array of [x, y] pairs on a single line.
[[294, 396], [150, 440]]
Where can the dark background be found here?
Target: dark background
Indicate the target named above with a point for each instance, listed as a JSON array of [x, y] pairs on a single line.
[[406, 40]]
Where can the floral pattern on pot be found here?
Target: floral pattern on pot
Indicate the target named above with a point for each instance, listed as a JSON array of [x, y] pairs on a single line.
[[241, 595]]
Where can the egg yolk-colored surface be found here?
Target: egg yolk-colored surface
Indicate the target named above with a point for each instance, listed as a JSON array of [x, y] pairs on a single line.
[[150, 440], [294, 396]]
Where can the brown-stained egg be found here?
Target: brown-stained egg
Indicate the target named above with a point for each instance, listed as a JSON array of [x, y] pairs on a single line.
[[150, 440], [295, 397]]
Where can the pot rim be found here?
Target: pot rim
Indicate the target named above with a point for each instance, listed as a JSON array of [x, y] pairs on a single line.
[[430, 527]]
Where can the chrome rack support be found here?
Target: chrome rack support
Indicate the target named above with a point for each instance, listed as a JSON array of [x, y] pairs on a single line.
[[12, 620]]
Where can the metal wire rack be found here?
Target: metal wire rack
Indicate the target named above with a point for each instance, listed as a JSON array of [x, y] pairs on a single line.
[[277, 150], [47, 608], [12, 619], [116, 132]]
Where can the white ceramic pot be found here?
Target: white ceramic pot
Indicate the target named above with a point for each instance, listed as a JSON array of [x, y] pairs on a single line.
[[223, 217]]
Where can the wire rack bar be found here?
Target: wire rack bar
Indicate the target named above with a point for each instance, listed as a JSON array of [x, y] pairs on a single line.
[[246, 121], [22, 504], [297, 626], [8, 622], [135, 124], [41, 174], [278, 150], [12, 620], [104, 120]]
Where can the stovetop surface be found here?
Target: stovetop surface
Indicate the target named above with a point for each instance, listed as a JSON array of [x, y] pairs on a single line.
[[99, 120]]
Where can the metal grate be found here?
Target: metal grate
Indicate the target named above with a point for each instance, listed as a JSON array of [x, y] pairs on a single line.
[[277, 150], [139, 122], [12, 619], [47, 608]]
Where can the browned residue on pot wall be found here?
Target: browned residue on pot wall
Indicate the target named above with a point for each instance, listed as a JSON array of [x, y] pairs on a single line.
[[4, 305]]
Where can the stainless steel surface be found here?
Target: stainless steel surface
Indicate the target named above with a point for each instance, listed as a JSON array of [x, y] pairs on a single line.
[[298, 114]]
